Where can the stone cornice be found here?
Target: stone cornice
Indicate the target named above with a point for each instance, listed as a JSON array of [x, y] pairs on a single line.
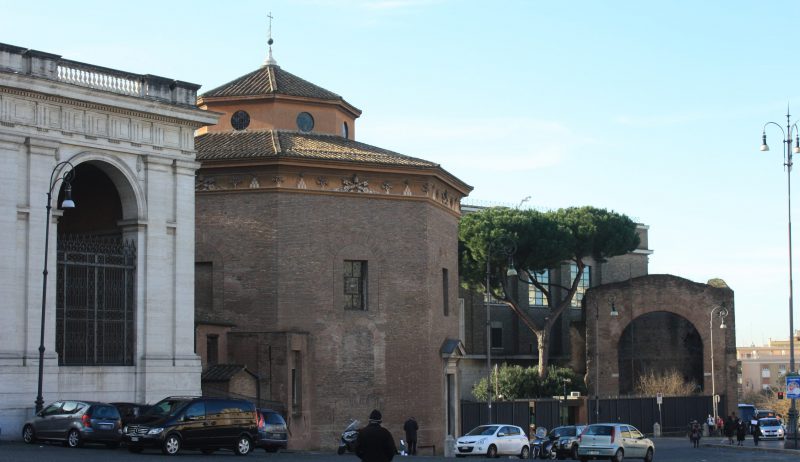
[[104, 107]]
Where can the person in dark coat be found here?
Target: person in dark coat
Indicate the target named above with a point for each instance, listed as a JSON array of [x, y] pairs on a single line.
[[375, 443], [411, 428], [729, 428], [695, 432], [756, 433], [741, 432]]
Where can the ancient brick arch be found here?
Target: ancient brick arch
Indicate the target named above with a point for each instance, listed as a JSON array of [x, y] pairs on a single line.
[[675, 298], [644, 341]]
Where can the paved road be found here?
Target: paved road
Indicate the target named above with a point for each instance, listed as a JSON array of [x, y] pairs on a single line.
[[667, 450]]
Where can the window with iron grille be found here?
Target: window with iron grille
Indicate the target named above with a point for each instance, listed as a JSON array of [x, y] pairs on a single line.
[[355, 285], [95, 301]]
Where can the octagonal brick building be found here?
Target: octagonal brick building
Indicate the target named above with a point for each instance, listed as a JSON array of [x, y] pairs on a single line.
[[326, 268]]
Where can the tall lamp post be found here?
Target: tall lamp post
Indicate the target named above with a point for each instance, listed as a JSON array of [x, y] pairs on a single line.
[[507, 247], [721, 313], [613, 313], [791, 129], [66, 176]]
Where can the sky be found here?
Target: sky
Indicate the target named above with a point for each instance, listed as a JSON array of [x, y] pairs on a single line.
[[651, 109]]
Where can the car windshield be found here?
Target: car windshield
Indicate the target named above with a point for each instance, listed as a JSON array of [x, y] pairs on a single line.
[[599, 430], [563, 431], [483, 430], [166, 407], [769, 422]]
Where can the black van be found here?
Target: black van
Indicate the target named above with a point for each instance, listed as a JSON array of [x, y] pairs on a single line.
[[207, 424]]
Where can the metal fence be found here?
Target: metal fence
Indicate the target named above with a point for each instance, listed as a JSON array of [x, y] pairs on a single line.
[[675, 412]]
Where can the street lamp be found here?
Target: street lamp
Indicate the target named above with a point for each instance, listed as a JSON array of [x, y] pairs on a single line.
[[721, 312], [613, 313], [507, 247], [791, 129], [66, 177]]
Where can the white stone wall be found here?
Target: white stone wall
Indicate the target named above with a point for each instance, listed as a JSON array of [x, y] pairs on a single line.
[[147, 149]]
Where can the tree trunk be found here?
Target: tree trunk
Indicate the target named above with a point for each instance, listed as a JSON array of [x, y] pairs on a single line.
[[543, 338]]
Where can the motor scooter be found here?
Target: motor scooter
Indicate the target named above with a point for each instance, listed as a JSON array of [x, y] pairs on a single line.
[[542, 445], [349, 438]]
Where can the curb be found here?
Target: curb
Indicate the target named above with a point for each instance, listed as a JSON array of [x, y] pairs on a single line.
[[751, 448]]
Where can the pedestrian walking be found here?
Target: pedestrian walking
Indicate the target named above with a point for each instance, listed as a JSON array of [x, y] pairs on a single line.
[[756, 433], [375, 443], [711, 425], [730, 428], [741, 432], [411, 428], [695, 432], [720, 425]]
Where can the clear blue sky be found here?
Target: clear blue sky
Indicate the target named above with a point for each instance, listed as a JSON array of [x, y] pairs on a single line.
[[653, 109]]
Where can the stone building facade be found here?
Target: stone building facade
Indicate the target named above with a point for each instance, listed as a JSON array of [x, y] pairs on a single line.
[[326, 266], [118, 311]]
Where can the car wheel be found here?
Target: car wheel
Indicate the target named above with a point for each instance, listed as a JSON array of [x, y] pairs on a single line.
[[574, 452], [135, 449], [554, 454], [491, 452], [649, 456], [525, 452], [242, 446], [172, 444], [339, 451], [73, 438], [28, 435], [618, 456], [584, 459]]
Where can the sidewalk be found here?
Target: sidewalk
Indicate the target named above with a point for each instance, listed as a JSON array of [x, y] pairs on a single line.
[[748, 445]]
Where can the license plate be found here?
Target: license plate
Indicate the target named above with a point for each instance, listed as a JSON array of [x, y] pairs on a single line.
[[594, 452], [134, 438], [106, 426]]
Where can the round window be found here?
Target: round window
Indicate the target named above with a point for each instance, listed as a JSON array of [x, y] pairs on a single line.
[[305, 122], [240, 120]]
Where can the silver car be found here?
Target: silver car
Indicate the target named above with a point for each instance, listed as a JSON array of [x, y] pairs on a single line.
[[614, 441], [75, 422], [771, 428]]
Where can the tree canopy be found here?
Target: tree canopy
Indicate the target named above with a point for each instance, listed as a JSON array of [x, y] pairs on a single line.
[[510, 382], [534, 241]]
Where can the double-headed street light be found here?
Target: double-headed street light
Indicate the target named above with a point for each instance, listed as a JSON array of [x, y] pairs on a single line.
[[66, 175], [791, 129], [507, 247], [721, 312]]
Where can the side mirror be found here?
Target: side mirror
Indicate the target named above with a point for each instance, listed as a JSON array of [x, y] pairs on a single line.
[[501, 434]]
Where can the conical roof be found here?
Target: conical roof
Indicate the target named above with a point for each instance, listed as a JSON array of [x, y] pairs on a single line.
[[271, 80]]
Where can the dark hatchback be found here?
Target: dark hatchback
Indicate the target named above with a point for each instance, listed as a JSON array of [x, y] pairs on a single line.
[[273, 433], [205, 424], [130, 411]]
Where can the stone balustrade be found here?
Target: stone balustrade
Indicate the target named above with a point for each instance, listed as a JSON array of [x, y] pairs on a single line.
[[54, 67]]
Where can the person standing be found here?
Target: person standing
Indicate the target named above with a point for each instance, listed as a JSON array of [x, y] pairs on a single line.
[[741, 432], [756, 433], [411, 428], [695, 432], [730, 427], [711, 424], [375, 443], [720, 425]]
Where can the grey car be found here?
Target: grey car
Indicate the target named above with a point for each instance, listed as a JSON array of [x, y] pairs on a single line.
[[74, 423], [614, 441]]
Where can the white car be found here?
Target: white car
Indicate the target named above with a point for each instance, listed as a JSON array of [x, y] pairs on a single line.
[[771, 428], [494, 441], [614, 441]]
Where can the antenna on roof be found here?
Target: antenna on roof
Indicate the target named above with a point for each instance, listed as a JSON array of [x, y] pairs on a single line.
[[270, 61]]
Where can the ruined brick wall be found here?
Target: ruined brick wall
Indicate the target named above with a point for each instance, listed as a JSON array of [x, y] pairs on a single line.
[[660, 293]]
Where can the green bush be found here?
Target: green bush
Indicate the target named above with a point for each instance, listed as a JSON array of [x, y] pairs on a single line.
[[517, 382]]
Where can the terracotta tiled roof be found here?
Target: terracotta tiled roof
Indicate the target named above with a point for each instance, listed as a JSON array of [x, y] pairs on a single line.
[[289, 144], [269, 80]]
